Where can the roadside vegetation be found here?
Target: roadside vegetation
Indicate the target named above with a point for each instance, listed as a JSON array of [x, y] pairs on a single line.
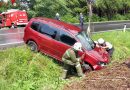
[[21, 69], [104, 10]]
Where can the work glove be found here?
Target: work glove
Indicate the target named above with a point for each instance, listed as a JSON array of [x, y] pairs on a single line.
[[79, 60]]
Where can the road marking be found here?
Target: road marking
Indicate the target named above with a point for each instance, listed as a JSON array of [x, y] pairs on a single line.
[[111, 30], [115, 24], [11, 33], [12, 43]]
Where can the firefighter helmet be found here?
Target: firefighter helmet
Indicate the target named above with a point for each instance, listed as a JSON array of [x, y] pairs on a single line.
[[101, 40], [78, 46]]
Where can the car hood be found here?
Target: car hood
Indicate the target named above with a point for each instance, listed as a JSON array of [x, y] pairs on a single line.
[[97, 56]]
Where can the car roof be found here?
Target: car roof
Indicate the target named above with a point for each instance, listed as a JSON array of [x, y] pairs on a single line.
[[60, 24]]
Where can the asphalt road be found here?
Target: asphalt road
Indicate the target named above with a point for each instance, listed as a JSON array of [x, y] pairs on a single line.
[[11, 37], [14, 37], [107, 26]]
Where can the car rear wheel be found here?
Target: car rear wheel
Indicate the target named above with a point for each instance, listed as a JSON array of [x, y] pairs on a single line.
[[33, 46], [13, 25]]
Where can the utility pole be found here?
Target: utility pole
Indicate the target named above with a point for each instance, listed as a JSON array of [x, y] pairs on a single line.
[[89, 3]]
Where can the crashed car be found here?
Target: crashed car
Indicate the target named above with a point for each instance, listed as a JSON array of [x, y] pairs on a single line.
[[53, 37]]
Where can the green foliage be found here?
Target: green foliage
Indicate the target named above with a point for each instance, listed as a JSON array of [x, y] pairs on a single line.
[[48, 8], [95, 18], [103, 10], [21, 69], [127, 16], [120, 42], [111, 7], [70, 18], [118, 17]]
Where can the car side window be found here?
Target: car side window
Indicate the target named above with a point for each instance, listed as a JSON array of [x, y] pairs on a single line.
[[48, 30], [66, 38], [35, 26]]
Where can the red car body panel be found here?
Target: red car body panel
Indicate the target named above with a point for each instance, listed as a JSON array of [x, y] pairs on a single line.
[[56, 49]]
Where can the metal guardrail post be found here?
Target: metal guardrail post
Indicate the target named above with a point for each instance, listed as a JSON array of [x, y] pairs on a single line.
[[124, 28]]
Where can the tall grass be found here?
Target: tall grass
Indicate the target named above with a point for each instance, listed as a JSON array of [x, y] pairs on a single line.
[[121, 42], [21, 69]]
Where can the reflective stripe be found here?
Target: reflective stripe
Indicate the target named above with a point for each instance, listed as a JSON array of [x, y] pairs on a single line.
[[78, 65], [63, 59], [67, 53]]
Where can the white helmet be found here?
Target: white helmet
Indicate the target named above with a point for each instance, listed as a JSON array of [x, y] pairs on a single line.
[[101, 40], [78, 46], [57, 14]]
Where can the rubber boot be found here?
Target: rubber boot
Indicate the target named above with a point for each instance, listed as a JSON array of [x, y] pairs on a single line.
[[79, 70], [64, 74]]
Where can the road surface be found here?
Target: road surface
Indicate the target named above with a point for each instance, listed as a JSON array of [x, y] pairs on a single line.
[[11, 38], [106, 26], [14, 37]]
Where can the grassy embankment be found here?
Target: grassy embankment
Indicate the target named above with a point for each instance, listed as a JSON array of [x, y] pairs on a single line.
[[21, 69]]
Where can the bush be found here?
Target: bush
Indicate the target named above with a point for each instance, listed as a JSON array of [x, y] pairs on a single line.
[[118, 17], [95, 18], [127, 16], [69, 18]]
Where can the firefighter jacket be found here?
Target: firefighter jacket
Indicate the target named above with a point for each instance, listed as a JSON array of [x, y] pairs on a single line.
[[70, 57]]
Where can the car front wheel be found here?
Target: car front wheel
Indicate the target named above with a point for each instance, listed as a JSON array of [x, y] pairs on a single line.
[[33, 46], [86, 68]]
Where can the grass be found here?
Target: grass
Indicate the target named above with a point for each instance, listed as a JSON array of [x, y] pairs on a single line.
[[21, 69]]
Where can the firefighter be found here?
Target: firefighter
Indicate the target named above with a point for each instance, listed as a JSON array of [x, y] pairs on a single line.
[[81, 20], [106, 45], [57, 16], [70, 58]]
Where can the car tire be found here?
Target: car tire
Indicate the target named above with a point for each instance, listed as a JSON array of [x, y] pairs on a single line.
[[33, 46], [87, 68], [13, 25]]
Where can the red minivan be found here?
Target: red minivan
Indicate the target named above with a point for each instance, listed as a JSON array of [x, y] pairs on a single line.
[[54, 37]]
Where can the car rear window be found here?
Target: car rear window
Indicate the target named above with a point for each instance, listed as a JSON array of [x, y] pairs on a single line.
[[35, 25]]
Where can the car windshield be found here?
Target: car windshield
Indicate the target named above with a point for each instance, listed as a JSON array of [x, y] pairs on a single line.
[[85, 40]]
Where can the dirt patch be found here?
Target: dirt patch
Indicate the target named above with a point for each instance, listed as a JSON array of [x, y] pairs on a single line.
[[116, 77]]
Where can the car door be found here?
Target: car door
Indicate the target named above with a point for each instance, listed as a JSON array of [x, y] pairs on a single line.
[[47, 35], [63, 41]]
